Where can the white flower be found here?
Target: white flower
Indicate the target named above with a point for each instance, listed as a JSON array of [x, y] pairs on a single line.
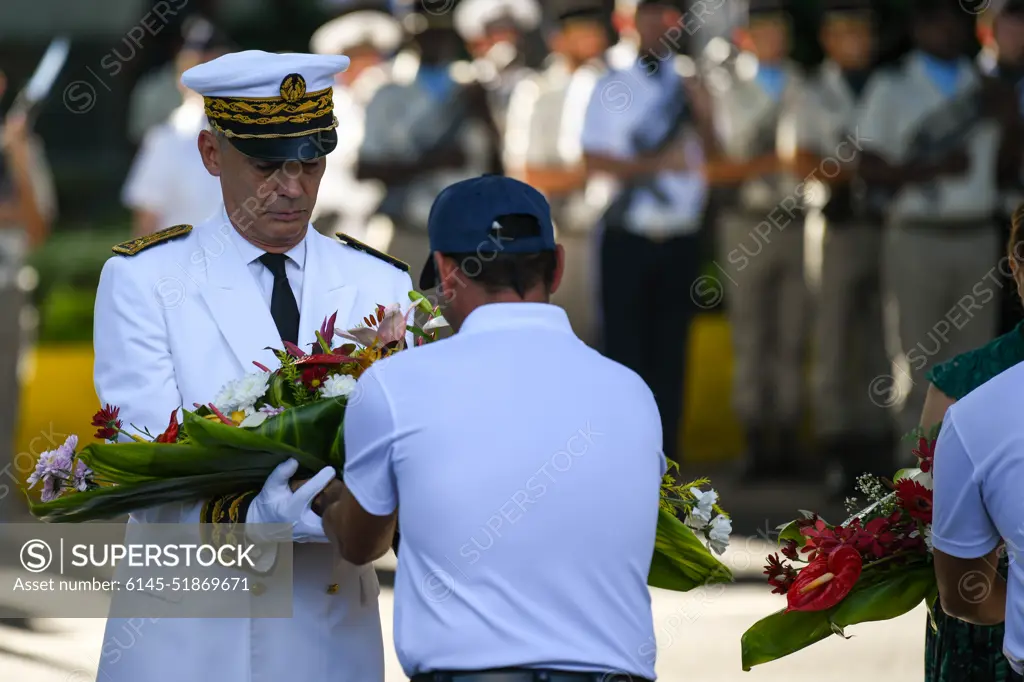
[[254, 418], [698, 519], [924, 478], [718, 536], [242, 394], [928, 537], [338, 386], [705, 500], [435, 323]]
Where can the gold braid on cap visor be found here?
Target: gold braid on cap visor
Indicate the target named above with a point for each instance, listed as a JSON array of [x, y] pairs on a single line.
[[270, 111]]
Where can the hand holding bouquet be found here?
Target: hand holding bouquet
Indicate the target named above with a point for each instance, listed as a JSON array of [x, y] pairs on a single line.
[[233, 443], [255, 423], [874, 566]]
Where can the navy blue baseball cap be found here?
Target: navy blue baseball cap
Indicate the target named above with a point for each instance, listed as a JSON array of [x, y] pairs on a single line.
[[487, 215]]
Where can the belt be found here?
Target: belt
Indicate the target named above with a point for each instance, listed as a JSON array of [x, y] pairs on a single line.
[[523, 675]]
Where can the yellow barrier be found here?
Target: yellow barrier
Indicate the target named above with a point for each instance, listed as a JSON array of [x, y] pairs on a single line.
[[59, 399]]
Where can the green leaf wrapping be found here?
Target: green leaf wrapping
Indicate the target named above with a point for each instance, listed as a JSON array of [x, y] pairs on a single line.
[[218, 459], [681, 562], [886, 594], [112, 502]]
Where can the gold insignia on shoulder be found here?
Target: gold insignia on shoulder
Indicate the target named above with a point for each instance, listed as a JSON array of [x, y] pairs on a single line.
[[134, 246], [359, 246], [293, 87]]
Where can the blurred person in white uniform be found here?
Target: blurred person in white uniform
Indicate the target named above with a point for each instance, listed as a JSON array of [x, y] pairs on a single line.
[[369, 37], [493, 31], [544, 137], [167, 183]]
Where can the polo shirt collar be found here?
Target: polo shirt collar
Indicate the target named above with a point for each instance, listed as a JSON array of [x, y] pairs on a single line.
[[499, 316], [250, 252]]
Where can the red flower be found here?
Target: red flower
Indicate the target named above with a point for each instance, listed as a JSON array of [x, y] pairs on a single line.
[[915, 499], [876, 538], [108, 422], [780, 575], [171, 434], [313, 377], [822, 540], [925, 452], [826, 581], [789, 550]]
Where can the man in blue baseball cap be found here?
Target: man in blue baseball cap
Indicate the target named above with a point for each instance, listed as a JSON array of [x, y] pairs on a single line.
[[502, 488]]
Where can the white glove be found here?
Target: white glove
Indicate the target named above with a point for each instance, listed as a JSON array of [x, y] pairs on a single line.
[[277, 504]]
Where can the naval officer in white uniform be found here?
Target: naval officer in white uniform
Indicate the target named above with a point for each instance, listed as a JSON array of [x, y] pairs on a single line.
[[182, 312]]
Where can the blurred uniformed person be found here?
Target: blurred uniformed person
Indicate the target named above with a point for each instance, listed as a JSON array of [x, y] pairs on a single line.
[[935, 134], [1002, 28], [429, 125], [369, 38], [643, 139], [167, 183], [543, 142], [249, 278], [761, 243], [849, 334], [28, 207], [493, 31], [513, 393]]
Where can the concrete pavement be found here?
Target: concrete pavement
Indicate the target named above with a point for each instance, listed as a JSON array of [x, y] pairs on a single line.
[[697, 637]]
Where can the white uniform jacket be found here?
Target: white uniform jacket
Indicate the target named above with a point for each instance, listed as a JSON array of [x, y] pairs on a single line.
[[173, 324]]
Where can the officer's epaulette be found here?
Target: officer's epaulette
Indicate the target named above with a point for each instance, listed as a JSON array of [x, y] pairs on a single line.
[[134, 246], [359, 246]]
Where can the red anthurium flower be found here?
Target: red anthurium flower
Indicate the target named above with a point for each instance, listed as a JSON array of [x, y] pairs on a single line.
[[925, 452], [915, 499], [171, 434], [825, 581], [780, 575], [108, 422]]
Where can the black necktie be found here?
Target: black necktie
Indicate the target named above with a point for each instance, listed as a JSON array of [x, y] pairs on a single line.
[[282, 302]]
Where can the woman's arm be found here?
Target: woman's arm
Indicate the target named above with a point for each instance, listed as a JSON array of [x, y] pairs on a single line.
[[935, 405]]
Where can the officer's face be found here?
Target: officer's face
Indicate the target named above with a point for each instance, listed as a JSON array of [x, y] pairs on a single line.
[[848, 41], [653, 23], [271, 202], [360, 59], [1009, 37], [582, 40], [943, 35], [769, 38]]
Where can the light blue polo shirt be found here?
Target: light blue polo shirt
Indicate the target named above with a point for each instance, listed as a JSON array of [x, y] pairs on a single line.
[[979, 487], [526, 470]]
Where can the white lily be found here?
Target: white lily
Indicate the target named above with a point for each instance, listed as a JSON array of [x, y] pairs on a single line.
[[436, 323]]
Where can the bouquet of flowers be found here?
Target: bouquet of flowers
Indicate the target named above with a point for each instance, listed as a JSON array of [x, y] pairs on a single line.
[[233, 443], [874, 566]]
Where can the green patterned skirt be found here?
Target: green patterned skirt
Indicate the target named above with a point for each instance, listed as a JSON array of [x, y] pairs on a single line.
[[956, 651]]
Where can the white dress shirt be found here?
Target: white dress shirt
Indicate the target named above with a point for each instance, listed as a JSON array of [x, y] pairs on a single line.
[[261, 273]]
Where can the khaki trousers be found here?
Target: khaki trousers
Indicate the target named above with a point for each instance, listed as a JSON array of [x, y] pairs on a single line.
[[761, 267], [849, 333], [941, 299]]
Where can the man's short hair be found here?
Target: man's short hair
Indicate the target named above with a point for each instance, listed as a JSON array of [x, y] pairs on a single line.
[[519, 272]]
